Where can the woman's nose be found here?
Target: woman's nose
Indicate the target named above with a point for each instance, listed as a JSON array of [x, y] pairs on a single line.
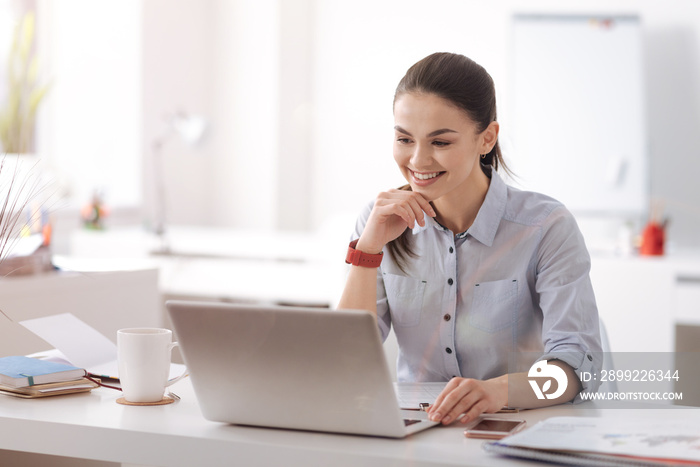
[[421, 156]]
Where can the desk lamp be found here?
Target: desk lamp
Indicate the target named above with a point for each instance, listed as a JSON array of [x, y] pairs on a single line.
[[190, 129]]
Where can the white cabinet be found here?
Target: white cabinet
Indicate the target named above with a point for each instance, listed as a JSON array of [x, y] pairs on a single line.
[[107, 301], [642, 299], [687, 298]]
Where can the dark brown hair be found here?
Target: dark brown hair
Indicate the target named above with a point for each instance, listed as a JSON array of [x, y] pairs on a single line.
[[468, 86]]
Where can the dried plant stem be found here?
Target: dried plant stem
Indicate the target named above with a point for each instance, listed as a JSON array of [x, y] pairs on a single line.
[[17, 196]]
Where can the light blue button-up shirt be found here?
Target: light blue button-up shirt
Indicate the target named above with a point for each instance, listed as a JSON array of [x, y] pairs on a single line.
[[511, 290]]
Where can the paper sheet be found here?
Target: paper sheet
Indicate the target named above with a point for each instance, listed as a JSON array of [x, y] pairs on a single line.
[[82, 345], [410, 395], [640, 437]]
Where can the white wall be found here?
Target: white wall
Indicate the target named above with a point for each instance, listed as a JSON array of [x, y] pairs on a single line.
[[177, 59], [90, 124], [245, 116], [364, 47], [295, 157], [7, 25]]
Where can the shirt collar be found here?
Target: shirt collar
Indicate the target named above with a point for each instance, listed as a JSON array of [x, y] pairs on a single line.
[[487, 219], [491, 212]]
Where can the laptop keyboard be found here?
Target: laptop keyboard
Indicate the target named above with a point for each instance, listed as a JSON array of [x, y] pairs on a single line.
[[408, 422]]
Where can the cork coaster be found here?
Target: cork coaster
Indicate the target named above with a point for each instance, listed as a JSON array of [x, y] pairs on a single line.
[[164, 401]]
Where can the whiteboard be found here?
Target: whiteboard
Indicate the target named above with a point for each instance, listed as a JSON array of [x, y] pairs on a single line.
[[578, 112]]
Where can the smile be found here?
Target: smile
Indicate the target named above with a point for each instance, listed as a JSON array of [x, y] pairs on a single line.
[[426, 176]]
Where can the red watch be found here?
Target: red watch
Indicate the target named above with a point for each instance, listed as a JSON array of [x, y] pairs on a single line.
[[360, 258]]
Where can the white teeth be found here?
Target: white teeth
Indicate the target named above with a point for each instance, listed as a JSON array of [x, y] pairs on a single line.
[[425, 176]]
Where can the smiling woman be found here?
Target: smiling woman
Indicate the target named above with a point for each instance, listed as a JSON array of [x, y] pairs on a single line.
[[475, 276], [443, 165], [432, 94]]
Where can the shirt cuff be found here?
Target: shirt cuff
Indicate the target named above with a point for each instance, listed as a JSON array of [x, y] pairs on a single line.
[[584, 364]]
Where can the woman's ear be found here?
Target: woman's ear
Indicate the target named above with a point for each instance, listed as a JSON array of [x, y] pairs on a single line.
[[489, 137]]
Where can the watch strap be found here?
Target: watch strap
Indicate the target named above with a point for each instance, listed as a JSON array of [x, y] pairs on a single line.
[[360, 258]]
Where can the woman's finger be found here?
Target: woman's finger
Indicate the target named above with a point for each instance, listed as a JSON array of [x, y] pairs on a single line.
[[416, 199], [417, 209], [471, 401], [476, 409], [401, 206], [438, 409], [425, 205]]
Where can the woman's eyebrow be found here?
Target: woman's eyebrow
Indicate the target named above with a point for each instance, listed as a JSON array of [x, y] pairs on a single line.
[[401, 130], [440, 132], [430, 135]]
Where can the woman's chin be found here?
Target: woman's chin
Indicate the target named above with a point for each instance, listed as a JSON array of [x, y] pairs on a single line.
[[428, 194]]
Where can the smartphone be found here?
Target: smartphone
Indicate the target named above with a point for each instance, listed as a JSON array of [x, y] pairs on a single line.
[[494, 428]]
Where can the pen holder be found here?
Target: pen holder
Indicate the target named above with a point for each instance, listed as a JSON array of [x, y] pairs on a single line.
[[653, 238]]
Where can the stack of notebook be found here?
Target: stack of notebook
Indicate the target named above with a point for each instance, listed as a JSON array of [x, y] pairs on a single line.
[[30, 377]]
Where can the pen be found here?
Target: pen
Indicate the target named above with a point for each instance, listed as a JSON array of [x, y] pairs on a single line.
[[422, 407]]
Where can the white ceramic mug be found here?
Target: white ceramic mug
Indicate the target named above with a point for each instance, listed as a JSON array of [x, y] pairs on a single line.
[[144, 356]]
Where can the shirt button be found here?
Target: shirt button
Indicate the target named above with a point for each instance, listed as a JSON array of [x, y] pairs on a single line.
[[450, 281], [448, 350], [447, 317], [452, 250]]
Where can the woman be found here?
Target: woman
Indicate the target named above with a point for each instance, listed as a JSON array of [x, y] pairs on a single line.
[[478, 279]]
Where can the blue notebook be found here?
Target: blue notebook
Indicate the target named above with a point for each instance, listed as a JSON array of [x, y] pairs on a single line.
[[17, 372]]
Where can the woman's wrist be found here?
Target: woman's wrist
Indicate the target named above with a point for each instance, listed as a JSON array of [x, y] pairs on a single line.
[[368, 248], [503, 389]]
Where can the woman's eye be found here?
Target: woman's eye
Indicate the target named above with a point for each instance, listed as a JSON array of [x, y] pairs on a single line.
[[403, 140], [441, 143]]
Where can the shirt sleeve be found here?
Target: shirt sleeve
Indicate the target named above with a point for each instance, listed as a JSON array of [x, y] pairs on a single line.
[[383, 315], [570, 328]]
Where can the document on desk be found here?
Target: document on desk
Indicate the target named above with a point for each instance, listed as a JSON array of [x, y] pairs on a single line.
[[412, 395], [80, 345], [642, 440]]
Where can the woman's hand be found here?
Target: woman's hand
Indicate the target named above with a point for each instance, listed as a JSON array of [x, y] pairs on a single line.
[[470, 397], [393, 212]]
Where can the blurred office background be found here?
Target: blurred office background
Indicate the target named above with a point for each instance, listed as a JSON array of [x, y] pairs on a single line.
[[297, 98], [292, 136]]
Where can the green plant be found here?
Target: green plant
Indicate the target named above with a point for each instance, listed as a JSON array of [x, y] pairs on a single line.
[[18, 117]]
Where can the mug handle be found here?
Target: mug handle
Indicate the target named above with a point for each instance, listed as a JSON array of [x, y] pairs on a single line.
[[184, 373]]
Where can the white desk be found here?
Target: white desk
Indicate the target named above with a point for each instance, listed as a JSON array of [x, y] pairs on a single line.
[[94, 426]]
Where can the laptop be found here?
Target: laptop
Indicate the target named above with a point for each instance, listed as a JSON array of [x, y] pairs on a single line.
[[290, 367]]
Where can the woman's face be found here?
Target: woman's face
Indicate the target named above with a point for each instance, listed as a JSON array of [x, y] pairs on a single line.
[[436, 145]]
